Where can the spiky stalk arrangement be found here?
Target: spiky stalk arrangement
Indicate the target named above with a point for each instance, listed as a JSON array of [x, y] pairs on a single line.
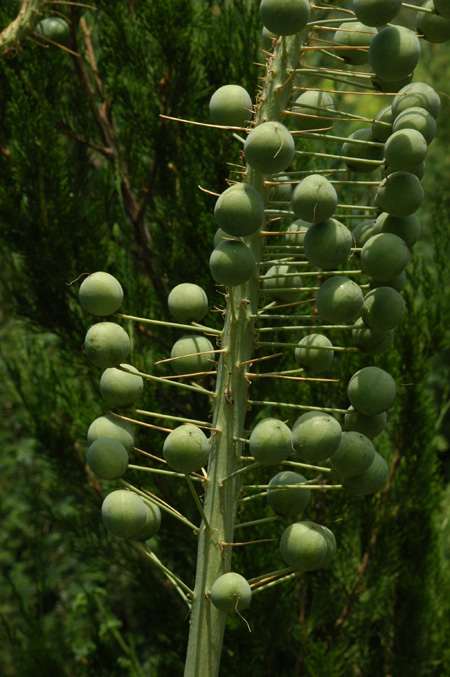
[[382, 240]]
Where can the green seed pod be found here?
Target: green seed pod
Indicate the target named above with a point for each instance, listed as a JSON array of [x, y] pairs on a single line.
[[354, 34], [304, 546], [400, 194], [381, 132], [314, 199], [220, 236], [327, 244], [309, 109], [442, 7], [231, 592], [383, 309], [267, 38], [419, 119], [100, 294], [371, 480], [356, 153], [370, 426], [106, 344], [282, 278], [376, 12], [119, 388], [339, 299], [188, 361], [331, 546], [289, 502], [284, 17], [371, 341], [394, 53], [384, 256], [362, 232], [54, 28], [187, 303], [124, 513], [283, 191], [239, 210], [405, 150], [231, 106], [315, 360], [232, 263], [295, 236], [354, 454], [316, 436], [397, 283], [408, 227], [152, 522], [388, 86], [186, 449], [416, 94], [269, 148], [107, 458], [434, 27], [371, 390], [111, 426], [270, 441]]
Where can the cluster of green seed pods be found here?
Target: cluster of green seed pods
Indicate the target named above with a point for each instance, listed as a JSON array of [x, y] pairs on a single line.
[[290, 245]]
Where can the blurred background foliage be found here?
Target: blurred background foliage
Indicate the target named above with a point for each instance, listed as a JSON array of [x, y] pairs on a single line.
[[92, 178]]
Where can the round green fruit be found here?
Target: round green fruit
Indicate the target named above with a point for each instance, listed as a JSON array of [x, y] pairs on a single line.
[[231, 106], [407, 227], [281, 282], [358, 37], [269, 148], [304, 546], [384, 256], [100, 294], [371, 341], [371, 390], [106, 344], [311, 355], [152, 522], [371, 480], [416, 94], [295, 234], [339, 299], [220, 235], [354, 454], [313, 111], [442, 7], [327, 244], [376, 12], [434, 27], [316, 436], [107, 458], [281, 192], [400, 194], [111, 426], [187, 303], [231, 592], [284, 17], [232, 263], [314, 199], [192, 354], [362, 157], [370, 426], [388, 86], [397, 283], [239, 210], [382, 124], [289, 502], [383, 309], [394, 53], [405, 150], [54, 28], [270, 441], [362, 232], [186, 449], [124, 513], [120, 388], [419, 119]]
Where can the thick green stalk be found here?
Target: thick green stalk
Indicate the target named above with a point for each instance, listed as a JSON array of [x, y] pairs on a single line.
[[230, 404]]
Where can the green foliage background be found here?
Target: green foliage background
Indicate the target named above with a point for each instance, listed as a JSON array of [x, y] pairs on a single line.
[[91, 177]]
